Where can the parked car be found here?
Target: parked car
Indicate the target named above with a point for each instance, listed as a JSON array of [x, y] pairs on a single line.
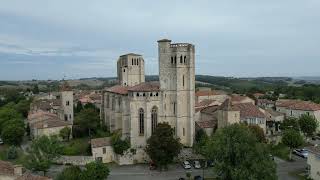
[[196, 164], [181, 178], [198, 178], [301, 152], [186, 165], [1, 142]]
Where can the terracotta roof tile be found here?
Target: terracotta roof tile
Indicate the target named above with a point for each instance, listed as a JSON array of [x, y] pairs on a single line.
[[101, 142], [6, 168], [207, 123], [210, 109], [118, 89], [50, 123], [146, 87], [298, 105], [248, 110]]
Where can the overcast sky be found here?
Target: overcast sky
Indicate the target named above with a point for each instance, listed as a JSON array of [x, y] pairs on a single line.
[[76, 38]]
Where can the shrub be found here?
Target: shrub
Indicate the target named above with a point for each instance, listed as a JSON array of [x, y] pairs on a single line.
[[119, 145], [12, 153]]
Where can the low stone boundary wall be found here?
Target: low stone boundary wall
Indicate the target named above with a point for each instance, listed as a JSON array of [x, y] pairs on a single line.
[[74, 160]]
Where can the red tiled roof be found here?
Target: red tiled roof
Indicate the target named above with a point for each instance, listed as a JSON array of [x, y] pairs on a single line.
[[206, 124], [50, 123], [6, 168], [146, 87], [248, 110], [118, 89], [210, 109], [100, 142], [238, 97], [227, 106], [298, 105], [267, 101], [205, 102]]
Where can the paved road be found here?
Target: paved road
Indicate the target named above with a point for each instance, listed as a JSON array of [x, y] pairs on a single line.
[[142, 172], [284, 167]]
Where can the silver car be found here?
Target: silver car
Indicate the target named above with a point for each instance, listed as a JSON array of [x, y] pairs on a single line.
[[196, 164], [186, 165], [301, 152]]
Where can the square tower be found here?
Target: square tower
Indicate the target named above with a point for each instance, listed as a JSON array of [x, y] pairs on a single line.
[[177, 84], [130, 69]]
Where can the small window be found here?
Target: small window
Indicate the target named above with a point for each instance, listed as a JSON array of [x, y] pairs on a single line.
[[175, 59], [308, 113], [171, 60], [103, 150], [132, 61], [150, 94], [157, 94], [184, 59], [69, 116], [183, 132], [66, 117], [138, 62], [183, 80], [144, 94], [174, 108], [181, 59], [124, 70], [67, 103], [137, 94]]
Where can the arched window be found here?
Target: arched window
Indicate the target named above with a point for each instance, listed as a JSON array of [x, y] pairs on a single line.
[[154, 119], [185, 59], [181, 59], [141, 121], [171, 60], [132, 61], [138, 61], [175, 59], [150, 94], [137, 94]]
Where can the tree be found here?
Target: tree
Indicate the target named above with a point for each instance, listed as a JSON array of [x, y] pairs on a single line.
[[119, 146], [12, 134], [12, 153], [70, 173], [7, 114], [36, 89], [258, 132], [23, 107], [95, 171], [88, 119], [65, 133], [200, 141], [162, 146], [292, 139], [238, 155], [78, 107], [290, 123], [308, 124], [42, 152]]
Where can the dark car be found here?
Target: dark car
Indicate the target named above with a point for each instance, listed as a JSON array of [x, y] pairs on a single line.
[[198, 178], [152, 166], [210, 163]]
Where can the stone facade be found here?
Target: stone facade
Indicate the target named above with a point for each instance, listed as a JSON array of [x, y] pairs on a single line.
[[134, 107]]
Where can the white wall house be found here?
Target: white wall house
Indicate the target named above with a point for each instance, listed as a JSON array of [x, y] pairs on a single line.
[[296, 108]]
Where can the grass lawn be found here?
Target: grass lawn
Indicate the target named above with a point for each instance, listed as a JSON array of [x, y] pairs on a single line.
[[77, 147], [280, 151]]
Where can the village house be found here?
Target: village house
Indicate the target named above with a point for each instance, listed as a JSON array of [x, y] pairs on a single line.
[[296, 108], [240, 99], [314, 162], [49, 116], [223, 115], [102, 150]]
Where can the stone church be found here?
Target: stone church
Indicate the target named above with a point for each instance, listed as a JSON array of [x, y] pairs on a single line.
[[135, 107]]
